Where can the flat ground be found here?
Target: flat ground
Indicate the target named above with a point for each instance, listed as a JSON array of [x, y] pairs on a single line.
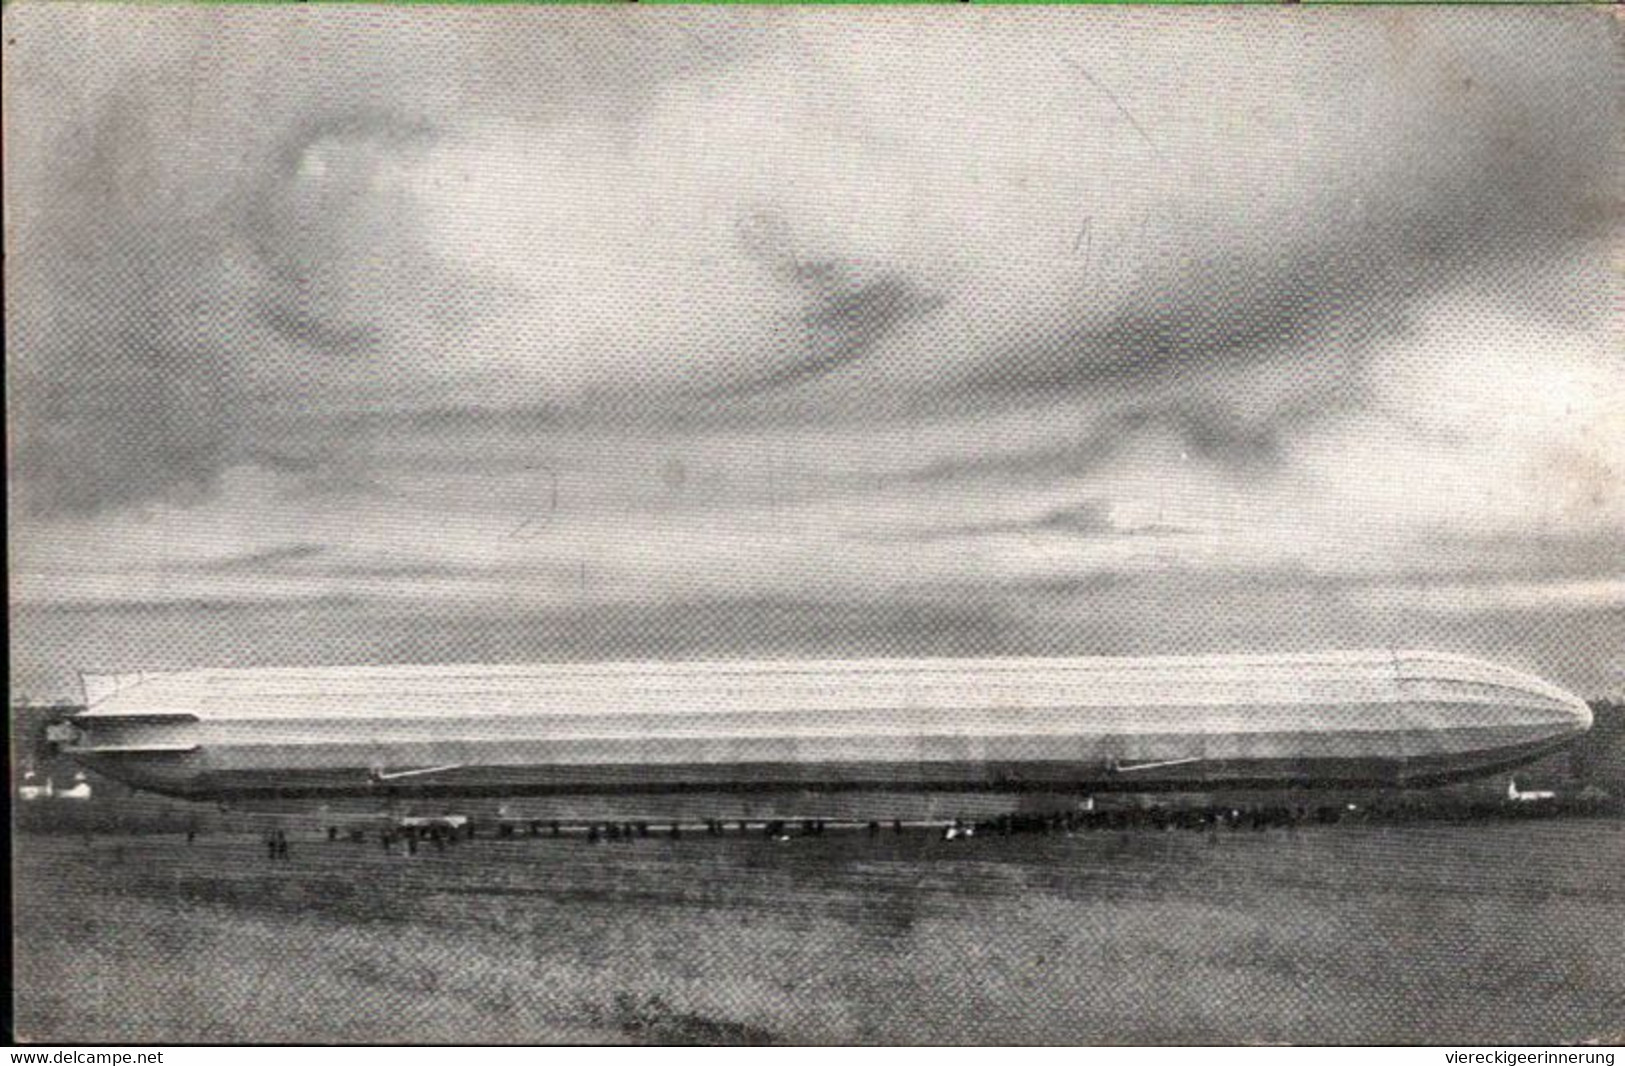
[[1503, 932]]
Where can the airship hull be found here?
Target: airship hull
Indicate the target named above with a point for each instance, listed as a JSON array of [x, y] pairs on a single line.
[[1353, 719]]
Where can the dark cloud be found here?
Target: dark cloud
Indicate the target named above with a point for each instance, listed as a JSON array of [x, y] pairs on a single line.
[[1222, 433], [205, 230], [1092, 518], [1495, 195], [1347, 288], [849, 319], [852, 307], [115, 399], [1206, 427], [338, 338], [79, 450], [156, 149]]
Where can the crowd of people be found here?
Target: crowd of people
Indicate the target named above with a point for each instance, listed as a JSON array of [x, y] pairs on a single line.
[[440, 834]]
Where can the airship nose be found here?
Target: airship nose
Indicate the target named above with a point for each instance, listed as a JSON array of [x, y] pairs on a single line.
[[1571, 714], [1582, 713]]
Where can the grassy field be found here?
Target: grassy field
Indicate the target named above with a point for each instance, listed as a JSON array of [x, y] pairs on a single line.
[[1510, 932]]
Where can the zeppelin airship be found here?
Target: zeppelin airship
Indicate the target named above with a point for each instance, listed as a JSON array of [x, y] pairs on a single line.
[[1065, 725]]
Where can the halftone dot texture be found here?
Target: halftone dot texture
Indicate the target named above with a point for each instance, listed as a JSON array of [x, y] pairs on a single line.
[[368, 335]]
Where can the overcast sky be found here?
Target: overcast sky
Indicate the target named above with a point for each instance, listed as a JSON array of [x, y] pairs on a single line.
[[590, 305]]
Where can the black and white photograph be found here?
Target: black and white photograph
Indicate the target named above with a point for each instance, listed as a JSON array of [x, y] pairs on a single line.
[[776, 525]]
